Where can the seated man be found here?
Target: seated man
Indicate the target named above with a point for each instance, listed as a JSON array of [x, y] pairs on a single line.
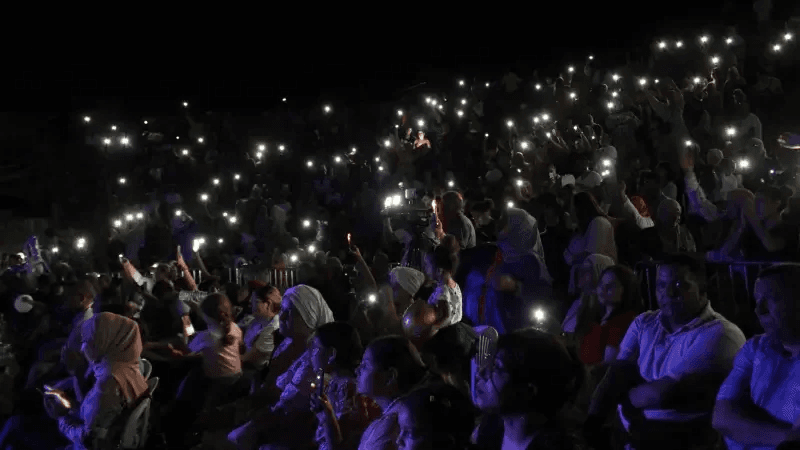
[[670, 364], [757, 404]]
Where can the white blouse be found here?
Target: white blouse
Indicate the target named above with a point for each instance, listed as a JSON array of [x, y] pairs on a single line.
[[452, 296]]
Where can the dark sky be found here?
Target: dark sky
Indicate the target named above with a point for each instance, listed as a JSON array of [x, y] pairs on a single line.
[[307, 58]]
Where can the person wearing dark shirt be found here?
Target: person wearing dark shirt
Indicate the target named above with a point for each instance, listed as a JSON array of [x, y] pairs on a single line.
[[768, 237]]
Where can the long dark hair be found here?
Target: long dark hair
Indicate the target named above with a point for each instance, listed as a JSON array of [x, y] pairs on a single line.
[[445, 414], [540, 359], [343, 338], [631, 296], [399, 353], [586, 210], [219, 308]]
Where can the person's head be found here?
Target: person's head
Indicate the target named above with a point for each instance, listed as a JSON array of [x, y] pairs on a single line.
[[443, 259], [665, 173], [79, 295], [618, 288], [218, 311], [334, 267], [303, 310], [532, 372], [452, 204], [448, 354], [336, 346], [405, 283], [769, 201], [681, 288], [162, 272], [482, 212], [776, 297], [669, 213], [110, 337], [726, 166], [588, 272], [210, 285], [391, 367], [714, 157], [265, 302], [586, 210], [434, 418], [648, 178]]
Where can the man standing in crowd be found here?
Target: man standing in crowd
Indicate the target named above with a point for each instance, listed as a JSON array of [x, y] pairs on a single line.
[[454, 221]]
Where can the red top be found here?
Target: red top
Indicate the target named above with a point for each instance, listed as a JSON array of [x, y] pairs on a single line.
[[593, 346]]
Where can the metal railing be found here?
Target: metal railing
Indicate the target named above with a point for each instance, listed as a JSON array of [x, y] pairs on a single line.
[[281, 278], [729, 288]]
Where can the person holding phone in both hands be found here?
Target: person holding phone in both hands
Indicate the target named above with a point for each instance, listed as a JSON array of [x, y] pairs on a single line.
[[343, 414]]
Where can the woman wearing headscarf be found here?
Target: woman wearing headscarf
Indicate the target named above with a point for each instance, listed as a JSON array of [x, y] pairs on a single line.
[[286, 388], [112, 345]]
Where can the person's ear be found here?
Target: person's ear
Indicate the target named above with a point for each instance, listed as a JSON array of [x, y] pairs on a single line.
[[332, 357], [391, 376]]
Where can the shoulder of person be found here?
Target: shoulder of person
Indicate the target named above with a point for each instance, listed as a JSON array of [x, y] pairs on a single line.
[[648, 318], [726, 328]]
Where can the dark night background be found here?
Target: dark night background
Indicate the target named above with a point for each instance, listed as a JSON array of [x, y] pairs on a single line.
[[341, 58]]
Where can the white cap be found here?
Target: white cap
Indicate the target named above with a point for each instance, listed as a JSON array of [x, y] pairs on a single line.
[[23, 303]]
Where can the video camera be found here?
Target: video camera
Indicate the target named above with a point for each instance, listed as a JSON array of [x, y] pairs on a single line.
[[406, 210]]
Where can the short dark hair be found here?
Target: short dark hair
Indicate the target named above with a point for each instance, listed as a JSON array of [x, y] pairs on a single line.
[[696, 266], [400, 353], [542, 359], [344, 338]]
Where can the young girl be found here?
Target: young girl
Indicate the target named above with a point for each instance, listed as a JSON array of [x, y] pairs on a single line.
[[343, 414], [446, 299], [220, 346]]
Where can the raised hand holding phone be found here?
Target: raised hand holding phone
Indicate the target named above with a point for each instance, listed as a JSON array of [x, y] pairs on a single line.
[[55, 402]]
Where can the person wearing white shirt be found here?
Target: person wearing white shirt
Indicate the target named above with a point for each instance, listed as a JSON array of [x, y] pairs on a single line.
[[670, 365], [758, 406], [259, 339]]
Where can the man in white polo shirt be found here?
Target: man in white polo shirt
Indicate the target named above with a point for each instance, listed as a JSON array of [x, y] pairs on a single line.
[[758, 405], [670, 365]]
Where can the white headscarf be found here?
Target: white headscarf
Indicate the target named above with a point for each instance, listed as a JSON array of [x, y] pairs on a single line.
[[407, 278], [310, 304], [597, 262]]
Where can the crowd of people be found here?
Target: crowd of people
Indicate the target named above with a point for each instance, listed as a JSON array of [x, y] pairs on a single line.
[[524, 264]]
